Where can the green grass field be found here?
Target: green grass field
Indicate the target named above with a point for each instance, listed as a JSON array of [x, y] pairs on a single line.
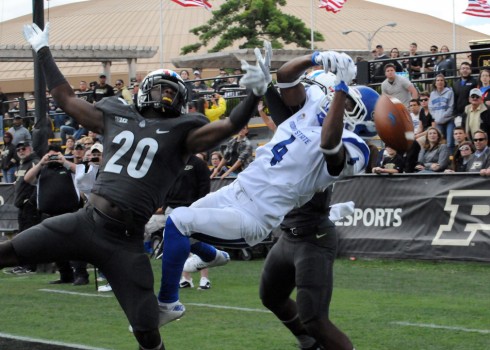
[[381, 305]]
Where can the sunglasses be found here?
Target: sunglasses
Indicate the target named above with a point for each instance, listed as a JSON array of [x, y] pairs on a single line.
[[21, 149], [479, 140], [433, 49], [118, 84], [424, 99], [475, 96], [464, 148]]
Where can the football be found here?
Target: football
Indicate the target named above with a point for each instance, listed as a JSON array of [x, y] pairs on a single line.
[[393, 123]]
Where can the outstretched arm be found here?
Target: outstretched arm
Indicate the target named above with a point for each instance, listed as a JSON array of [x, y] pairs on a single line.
[[210, 135], [83, 112]]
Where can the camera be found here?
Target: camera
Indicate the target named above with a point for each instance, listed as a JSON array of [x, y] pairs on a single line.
[[53, 157], [95, 159]]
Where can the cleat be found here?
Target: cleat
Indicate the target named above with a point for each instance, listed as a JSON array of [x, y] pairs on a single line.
[[204, 284], [195, 263], [170, 312], [184, 283], [106, 288]]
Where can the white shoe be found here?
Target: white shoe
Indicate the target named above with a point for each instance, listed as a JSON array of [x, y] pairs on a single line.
[[195, 263], [185, 283], [204, 284], [106, 288], [170, 312]]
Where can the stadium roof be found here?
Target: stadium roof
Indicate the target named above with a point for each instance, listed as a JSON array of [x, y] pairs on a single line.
[[129, 23]]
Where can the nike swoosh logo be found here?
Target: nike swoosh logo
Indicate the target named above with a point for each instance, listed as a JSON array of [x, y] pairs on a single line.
[[162, 131], [320, 235]]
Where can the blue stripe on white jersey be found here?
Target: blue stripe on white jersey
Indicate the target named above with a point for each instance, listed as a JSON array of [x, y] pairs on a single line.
[[361, 145]]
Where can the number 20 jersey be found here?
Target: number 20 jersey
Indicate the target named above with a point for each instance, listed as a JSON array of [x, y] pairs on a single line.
[[142, 157], [288, 170]]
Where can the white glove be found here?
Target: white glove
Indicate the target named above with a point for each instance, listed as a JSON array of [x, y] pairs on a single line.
[[346, 69], [36, 37], [340, 210], [338, 63], [265, 62], [254, 79]]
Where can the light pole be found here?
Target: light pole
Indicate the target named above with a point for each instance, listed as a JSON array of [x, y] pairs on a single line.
[[369, 36]]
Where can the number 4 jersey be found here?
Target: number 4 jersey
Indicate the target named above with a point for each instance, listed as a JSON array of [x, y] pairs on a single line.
[[142, 157], [288, 170]]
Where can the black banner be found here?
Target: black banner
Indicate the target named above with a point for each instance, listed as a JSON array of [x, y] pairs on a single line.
[[416, 216], [8, 212]]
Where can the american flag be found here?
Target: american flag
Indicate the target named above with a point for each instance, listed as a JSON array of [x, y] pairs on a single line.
[[194, 3], [478, 8], [332, 5]]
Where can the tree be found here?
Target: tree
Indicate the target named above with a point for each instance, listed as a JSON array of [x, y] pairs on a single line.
[[251, 21]]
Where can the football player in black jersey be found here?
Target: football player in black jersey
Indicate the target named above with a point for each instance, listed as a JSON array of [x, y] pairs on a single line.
[[145, 147]]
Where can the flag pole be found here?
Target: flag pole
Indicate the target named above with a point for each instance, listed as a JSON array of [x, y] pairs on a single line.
[[161, 33], [454, 29], [312, 27]]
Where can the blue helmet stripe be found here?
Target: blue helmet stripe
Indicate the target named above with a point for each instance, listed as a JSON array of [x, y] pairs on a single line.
[[360, 145]]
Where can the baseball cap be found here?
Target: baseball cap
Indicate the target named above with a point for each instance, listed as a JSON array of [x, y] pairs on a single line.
[[379, 46], [17, 116], [97, 147], [22, 144], [196, 72], [79, 145], [476, 91], [102, 76]]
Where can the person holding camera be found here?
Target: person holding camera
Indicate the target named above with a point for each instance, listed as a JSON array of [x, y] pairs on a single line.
[[56, 195], [214, 107]]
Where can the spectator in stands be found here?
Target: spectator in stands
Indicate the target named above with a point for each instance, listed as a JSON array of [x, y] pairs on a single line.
[[237, 155], [56, 195], [122, 91], [476, 113], [441, 107], [481, 158], [69, 147], [70, 127], [221, 80], [414, 109], [379, 68], [461, 157], [395, 54], [415, 63], [430, 63], [84, 92], [87, 142], [198, 85], [18, 131], [25, 198], [78, 152], [434, 155], [446, 64], [397, 86], [484, 84], [459, 135], [462, 88], [215, 107], [8, 159], [216, 158], [184, 74], [134, 92], [425, 117], [102, 89], [391, 162]]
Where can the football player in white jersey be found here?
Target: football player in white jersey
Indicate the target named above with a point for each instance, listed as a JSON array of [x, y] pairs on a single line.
[[309, 151]]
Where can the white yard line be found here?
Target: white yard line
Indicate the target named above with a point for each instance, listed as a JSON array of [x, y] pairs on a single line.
[[110, 295], [435, 326], [59, 291], [49, 342]]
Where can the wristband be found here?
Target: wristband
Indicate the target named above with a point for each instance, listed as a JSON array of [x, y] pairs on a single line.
[[331, 151], [342, 87], [313, 58], [289, 85]]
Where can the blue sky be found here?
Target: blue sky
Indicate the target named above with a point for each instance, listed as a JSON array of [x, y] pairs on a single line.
[[438, 8]]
